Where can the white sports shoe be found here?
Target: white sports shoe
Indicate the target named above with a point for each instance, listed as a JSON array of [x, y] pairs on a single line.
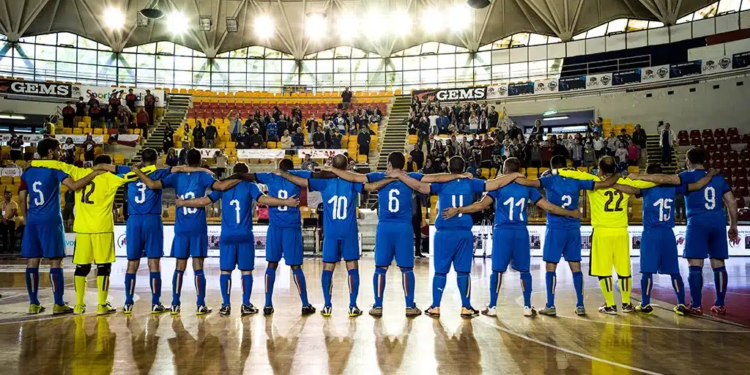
[[490, 311], [529, 311]]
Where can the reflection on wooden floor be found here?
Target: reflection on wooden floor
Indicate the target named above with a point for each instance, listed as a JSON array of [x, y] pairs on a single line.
[[287, 343]]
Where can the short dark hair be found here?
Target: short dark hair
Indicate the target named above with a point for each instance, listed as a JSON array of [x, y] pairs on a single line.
[[45, 146], [286, 165], [653, 169], [194, 158], [607, 165], [240, 168], [149, 155], [103, 159], [511, 165], [397, 160], [558, 161], [340, 162], [456, 164], [696, 155]]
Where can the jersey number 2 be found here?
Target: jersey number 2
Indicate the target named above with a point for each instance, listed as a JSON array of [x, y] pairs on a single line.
[[611, 195], [87, 191]]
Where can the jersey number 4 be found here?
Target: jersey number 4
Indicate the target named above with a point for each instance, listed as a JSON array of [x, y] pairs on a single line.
[[611, 195]]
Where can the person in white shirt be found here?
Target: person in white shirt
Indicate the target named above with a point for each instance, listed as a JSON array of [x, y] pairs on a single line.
[[473, 123], [598, 146], [622, 156], [612, 142], [433, 122], [667, 139]]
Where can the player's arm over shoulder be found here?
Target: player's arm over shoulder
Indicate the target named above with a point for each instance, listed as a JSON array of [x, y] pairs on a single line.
[[576, 174]]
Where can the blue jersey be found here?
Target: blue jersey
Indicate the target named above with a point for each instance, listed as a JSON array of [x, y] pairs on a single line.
[[141, 199], [564, 192], [394, 200], [511, 202], [704, 206], [456, 193], [237, 211], [280, 187], [190, 221], [339, 205], [659, 206], [43, 185]]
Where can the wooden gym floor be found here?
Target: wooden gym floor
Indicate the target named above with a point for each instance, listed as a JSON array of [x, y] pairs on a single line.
[[287, 343]]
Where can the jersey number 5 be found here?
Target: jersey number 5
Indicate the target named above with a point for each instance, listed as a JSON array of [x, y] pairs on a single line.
[[611, 195]]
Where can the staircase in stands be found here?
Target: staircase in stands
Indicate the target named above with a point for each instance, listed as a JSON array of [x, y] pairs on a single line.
[[654, 154], [394, 137]]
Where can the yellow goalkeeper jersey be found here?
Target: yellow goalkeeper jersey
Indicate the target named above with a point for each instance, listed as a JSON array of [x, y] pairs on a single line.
[[94, 201], [609, 207]]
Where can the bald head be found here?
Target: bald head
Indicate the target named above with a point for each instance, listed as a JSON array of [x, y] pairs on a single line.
[[340, 162]]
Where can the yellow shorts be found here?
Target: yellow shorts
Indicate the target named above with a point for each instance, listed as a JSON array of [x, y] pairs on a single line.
[[96, 248], [609, 248]]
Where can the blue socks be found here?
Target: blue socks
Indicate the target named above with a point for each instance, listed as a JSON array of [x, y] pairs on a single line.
[[326, 282], [464, 287], [720, 282], [299, 280], [353, 286], [270, 280], [526, 286], [32, 285], [225, 282], [58, 284], [200, 287], [176, 287], [378, 285], [695, 279], [647, 282], [496, 281], [578, 284], [407, 279], [438, 286], [551, 279], [155, 281], [129, 288], [679, 288], [247, 288]]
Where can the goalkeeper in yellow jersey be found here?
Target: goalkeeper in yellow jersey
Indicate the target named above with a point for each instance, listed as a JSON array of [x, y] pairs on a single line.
[[610, 241], [94, 226]]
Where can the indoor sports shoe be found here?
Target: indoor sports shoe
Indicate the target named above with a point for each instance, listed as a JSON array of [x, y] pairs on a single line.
[[248, 310], [469, 312], [158, 308], [413, 311], [695, 310], [203, 310], [127, 309], [433, 312], [376, 311], [268, 310], [326, 311], [105, 309], [225, 310], [490, 311], [62, 309], [627, 308], [644, 309], [721, 310], [580, 311], [36, 309], [680, 310], [529, 311], [307, 310], [549, 311], [610, 310], [79, 309], [354, 311], [174, 310]]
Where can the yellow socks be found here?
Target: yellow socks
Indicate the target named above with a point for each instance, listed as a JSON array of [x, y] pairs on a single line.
[[625, 286], [80, 283], [102, 284], [608, 290]]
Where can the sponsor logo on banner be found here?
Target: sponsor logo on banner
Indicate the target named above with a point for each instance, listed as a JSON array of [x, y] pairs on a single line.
[[206, 153], [716, 65], [500, 91], [70, 242], [471, 93], [626, 77], [77, 138], [572, 83], [655, 73], [102, 94], [261, 154], [526, 88], [740, 60], [598, 81], [28, 88], [318, 153], [685, 69], [545, 86], [10, 172]]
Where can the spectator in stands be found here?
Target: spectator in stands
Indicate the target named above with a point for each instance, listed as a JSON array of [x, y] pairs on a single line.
[[110, 117], [417, 156], [95, 112], [633, 154], [576, 153], [598, 145], [428, 168], [624, 138], [16, 147], [450, 149], [640, 138], [69, 151], [612, 142], [340, 124], [168, 141], [346, 99], [473, 169], [186, 135], [80, 110], [621, 155], [423, 130], [211, 134], [130, 99], [150, 103], [284, 124], [319, 139], [483, 123], [432, 118], [172, 159], [182, 158], [7, 224], [334, 141], [312, 127], [589, 155], [198, 134], [667, 139], [235, 124], [142, 119], [558, 149], [473, 123], [309, 164], [298, 139], [69, 115], [534, 153], [363, 140], [89, 148], [493, 117], [537, 130], [286, 140], [276, 116], [67, 212], [272, 131], [220, 161], [595, 127], [256, 140]]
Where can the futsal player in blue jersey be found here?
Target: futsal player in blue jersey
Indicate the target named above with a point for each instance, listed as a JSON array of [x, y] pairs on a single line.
[[341, 236], [563, 234], [394, 237], [44, 235], [454, 241], [510, 235], [658, 244], [191, 230], [237, 243], [706, 227]]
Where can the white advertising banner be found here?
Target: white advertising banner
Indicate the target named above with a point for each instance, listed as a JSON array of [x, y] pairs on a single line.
[[261, 154], [206, 153], [10, 172], [598, 81], [77, 138], [102, 94], [546, 86], [497, 92], [655, 73], [318, 153], [716, 65]]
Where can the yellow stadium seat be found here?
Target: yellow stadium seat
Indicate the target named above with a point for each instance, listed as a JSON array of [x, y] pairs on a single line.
[[532, 173], [6, 180], [413, 139], [634, 169], [362, 159]]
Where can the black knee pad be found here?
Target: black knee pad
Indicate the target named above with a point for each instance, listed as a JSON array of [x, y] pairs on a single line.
[[275, 265], [82, 270], [103, 269]]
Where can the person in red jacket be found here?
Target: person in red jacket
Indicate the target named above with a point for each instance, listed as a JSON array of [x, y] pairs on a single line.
[[69, 114], [130, 100], [150, 103], [142, 118]]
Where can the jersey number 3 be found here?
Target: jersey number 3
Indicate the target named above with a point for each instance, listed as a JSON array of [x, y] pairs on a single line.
[[611, 195]]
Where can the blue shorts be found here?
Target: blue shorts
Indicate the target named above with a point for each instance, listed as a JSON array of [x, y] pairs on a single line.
[[185, 246], [706, 241], [394, 240], [335, 248], [560, 243], [144, 235], [286, 241], [659, 251], [453, 247], [240, 255], [511, 244], [43, 240]]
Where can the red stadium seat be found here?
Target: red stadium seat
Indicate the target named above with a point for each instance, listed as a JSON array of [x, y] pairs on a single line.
[[739, 172], [707, 164], [721, 140], [695, 134], [731, 154], [708, 140], [720, 133], [717, 155], [731, 163], [746, 139], [683, 141], [725, 147], [717, 163], [707, 133], [740, 202], [724, 172], [735, 139], [741, 191], [682, 133], [696, 142], [745, 163], [711, 148], [732, 131]]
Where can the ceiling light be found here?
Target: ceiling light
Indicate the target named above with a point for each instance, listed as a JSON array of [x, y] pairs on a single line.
[[315, 25], [264, 27], [432, 21], [400, 24], [346, 26], [114, 19], [178, 22], [549, 113], [461, 17], [558, 118], [376, 32], [12, 117], [478, 4]]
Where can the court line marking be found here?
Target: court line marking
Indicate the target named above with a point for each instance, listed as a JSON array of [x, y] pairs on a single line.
[[569, 351]]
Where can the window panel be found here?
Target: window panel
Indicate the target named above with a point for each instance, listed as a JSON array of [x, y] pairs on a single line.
[[145, 75], [200, 63], [165, 47], [164, 62], [255, 51], [147, 48], [537, 39], [255, 66], [255, 80], [66, 68], [325, 66], [463, 60], [67, 39], [106, 58], [537, 70], [290, 78], [66, 54], [288, 66], [429, 62], [307, 79], [202, 79], [482, 58], [396, 64], [23, 49], [464, 74], [446, 75], [50, 39], [429, 76], [501, 72], [482, 73], [165, 77], [519, 71], [45, 52], [273, 66], [341, 66], [126, 75], [411, 63], [182, 51], [617, 26], [411, 77], [324, 79], [341, 79], [146, 61], [183, 78], [129, 59], [359, 65], [375, 65], [447, 61], [308, 66], [183, 63], [359, 79], [87, 71]]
